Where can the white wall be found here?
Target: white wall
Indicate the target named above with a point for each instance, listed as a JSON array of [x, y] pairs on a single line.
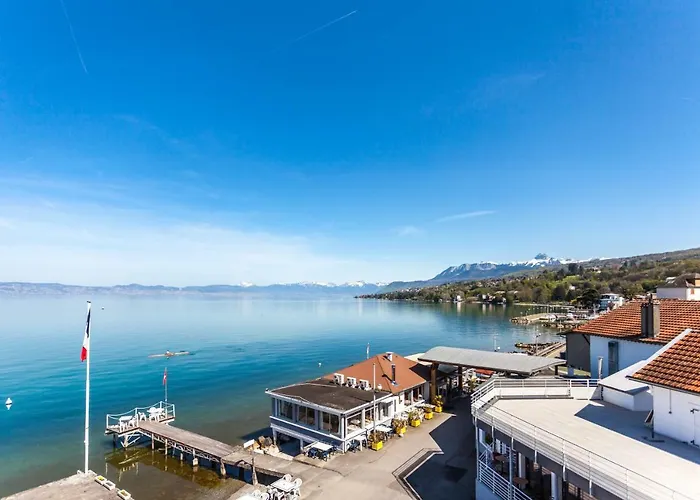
[[673, 417], [642, 401], [678, 293], [629, 353]]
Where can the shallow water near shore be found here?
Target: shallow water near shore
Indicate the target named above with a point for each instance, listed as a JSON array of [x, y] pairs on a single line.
[[240, 347]]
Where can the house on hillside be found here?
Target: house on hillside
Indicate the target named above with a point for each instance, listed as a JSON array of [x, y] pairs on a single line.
[[686, 287], [345, 405], [628, 334]]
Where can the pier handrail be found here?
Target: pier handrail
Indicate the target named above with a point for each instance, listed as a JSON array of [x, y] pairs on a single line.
[[605, 473], [167, 412]]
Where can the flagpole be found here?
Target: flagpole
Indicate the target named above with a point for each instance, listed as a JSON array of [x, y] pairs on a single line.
[[165, 379], [87, 391]]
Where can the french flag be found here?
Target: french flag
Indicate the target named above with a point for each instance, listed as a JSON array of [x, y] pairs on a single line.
[[86, 338]]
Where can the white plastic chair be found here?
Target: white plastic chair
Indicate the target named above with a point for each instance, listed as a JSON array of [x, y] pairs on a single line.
[[287, 477]]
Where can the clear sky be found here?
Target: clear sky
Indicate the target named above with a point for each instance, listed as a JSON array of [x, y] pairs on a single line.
[[182, 142]]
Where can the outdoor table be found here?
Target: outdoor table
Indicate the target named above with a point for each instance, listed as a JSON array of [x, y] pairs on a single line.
[[284, 486], [501, 459], [323, 448], [520, 481], [383, 428]]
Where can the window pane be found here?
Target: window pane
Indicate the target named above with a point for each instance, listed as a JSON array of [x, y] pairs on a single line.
[[335, 424], [286, 410]]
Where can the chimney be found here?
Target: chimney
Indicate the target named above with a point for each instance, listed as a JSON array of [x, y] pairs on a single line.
[[393, 374], [651, 318], [390, 356]]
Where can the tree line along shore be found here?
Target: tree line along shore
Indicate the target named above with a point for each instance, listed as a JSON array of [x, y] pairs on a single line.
[[575, 284]]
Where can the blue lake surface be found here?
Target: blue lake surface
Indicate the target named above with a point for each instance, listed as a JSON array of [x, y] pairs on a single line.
[[241, 347]]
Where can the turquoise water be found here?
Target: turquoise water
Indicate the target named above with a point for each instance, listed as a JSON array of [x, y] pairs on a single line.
[[241, 347]]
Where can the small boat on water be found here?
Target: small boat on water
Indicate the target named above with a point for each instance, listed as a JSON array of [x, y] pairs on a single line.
[[170, 354]]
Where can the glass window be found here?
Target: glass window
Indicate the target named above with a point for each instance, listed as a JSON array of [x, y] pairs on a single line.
[[331, 423], [307, 416], [287, 410]]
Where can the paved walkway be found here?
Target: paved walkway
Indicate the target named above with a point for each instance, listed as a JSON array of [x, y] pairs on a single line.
[[75, 487], [447, 474]]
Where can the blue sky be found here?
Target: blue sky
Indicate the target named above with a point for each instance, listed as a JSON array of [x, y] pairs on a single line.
[[217, 142]]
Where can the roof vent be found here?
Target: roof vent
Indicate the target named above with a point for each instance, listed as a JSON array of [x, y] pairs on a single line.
[[364, 384], [393, 373], [338, 378], [379, 387], [390, 356], [351, 381]]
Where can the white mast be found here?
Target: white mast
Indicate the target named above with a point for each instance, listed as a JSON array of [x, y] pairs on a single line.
[[87, 389]]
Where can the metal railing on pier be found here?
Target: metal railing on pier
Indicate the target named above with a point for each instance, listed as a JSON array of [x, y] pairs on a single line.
[[121, 422]]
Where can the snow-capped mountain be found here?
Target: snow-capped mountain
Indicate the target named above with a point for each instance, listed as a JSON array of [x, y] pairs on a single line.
[[303, 289], [495, 269], [483, 270]]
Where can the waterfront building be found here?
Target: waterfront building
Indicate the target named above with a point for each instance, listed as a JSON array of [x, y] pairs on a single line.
[[628, 334], [549, 437], [686, 287], [345, 405]]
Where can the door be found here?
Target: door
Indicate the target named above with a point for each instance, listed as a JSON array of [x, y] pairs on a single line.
[[613, 357], [695, 410]]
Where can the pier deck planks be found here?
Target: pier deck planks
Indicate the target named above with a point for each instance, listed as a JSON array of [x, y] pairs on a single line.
[[187, 438]]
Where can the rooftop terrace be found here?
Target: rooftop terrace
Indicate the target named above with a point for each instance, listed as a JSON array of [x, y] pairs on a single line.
[[599, 442]]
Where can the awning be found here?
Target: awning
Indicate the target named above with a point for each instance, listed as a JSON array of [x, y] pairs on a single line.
[[520, 364]]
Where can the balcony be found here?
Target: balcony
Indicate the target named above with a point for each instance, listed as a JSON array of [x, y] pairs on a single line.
[[599, 447]]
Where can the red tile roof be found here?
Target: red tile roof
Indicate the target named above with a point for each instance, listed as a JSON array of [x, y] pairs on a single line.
[[678, 367], [408, 373], [626, 321]]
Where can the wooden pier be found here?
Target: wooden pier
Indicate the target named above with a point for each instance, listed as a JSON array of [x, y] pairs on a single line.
[[153, 423]]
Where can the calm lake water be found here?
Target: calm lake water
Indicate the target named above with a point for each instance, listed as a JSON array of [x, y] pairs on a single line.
[[241, 347]]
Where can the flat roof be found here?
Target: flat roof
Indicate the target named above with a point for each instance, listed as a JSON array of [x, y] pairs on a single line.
[[618, 381], [322, 392], [520, 364], [608, 431]]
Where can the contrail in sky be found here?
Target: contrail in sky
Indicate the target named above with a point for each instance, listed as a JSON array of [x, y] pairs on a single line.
[[72, 34], [320, 28]]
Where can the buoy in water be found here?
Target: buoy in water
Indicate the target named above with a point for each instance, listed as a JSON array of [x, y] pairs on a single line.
[[8, 403]]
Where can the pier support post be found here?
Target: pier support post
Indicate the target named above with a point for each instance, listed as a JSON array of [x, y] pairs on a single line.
[[166, 447], [222, 469], [153, 444], [433, 381], [195, 463], [182, 456]]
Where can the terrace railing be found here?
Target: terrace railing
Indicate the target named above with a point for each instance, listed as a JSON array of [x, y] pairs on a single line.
[[598, 470], [495, 482]]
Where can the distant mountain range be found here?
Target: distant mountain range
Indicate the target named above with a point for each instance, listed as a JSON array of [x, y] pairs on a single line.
[[482, 270], [304, 289]]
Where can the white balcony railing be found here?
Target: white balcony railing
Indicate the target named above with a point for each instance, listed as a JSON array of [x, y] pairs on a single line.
[[495, 482], [598, 470]]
